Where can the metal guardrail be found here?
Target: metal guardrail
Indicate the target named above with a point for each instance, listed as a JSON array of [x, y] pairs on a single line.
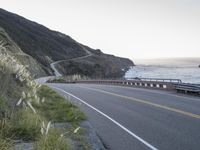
[[151, 83], [133, 83], [188, 88], [158, 80]]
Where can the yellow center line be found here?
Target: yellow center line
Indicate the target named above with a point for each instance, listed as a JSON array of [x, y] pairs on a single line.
[[189, 114]]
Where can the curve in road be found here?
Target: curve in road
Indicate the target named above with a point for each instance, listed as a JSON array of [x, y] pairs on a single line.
[[170, 123], [54, 64]]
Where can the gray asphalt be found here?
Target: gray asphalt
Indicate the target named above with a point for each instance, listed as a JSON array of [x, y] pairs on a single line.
[[165, 120]]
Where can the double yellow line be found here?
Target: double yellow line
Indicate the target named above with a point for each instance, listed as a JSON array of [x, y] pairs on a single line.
[[189, 114]]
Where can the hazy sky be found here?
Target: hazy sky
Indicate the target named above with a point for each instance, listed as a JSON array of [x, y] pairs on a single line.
[[129, 28]]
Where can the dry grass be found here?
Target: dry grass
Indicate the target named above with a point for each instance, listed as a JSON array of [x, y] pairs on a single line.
[[25, 125], [52, 141], [26, 108], [58, 109], [6, 144]]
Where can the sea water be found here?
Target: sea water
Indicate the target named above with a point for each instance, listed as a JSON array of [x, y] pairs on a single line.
[[186, 69]]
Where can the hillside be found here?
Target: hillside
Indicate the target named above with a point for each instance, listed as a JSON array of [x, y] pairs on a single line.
[[29, 112], [96, 66], [47, 46], [13, 50]]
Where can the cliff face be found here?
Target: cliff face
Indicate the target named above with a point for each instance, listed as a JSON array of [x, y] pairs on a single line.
[[44, 46]]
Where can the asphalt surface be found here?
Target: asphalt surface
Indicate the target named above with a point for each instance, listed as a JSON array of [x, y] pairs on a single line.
[[138, 119]]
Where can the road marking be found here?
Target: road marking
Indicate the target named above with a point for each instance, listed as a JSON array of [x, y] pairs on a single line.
[[148, 103], [114, 121], [157, 92]]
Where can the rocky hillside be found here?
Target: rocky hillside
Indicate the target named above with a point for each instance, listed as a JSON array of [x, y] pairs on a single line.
[[27, 118], [47, 46], [96, 66], [13, 49]]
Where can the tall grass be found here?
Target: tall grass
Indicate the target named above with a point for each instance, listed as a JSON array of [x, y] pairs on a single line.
[[57, 109], [18, 118], [25, 125], [29, 115], [52, 141], [6, 144]]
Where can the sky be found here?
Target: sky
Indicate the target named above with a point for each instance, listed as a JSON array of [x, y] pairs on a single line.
[[137, 29]]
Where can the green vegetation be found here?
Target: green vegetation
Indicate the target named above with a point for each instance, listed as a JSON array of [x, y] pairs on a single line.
[[47, 46], [81, 138], [13, 49], [52, 141], [3, 107], [28, 111], [5, 144], [38, 41], [56, 108], [96, 67], [57, 80], [25, 125], [68, 79]]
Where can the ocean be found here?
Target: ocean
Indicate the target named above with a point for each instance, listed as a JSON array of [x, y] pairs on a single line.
[[186, 69]]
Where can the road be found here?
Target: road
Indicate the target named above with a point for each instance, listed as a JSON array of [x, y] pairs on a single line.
[[54, 64], [43, 80], [128, 118]]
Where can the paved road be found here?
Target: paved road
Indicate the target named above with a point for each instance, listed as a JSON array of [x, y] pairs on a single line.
[[138, 119], [43, 80], [54, 64]]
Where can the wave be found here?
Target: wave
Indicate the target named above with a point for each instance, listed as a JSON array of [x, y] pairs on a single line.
[[188, 74]]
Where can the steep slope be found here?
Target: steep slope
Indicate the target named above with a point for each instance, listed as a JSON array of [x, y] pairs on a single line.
[[14, 75], [47, 46], [96, 66], [13, 49], [26, 107], [38, 41]]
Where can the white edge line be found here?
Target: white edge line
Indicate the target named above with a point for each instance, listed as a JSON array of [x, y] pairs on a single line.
[[115, 122]]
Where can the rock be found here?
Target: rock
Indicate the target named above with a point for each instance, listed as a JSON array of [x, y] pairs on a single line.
[[21, 145]]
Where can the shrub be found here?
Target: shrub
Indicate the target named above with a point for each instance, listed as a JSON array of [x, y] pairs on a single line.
[[57, 109], [52, 141], [25, 124], [5, 144], [3, 108]]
